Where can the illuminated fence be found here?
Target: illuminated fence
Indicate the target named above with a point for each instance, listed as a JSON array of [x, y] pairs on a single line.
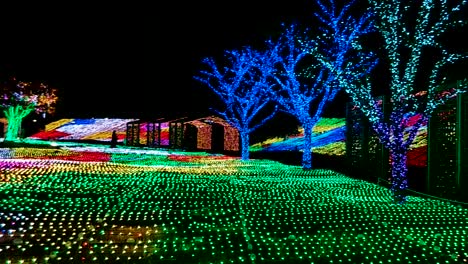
[[132, 136], [448, 150], [160, 132], [176, 133], [210, 133], [149, 133], [365, 154]]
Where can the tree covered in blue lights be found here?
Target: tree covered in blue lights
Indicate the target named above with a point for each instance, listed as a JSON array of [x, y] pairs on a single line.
[[240, 81], [413, 35], [308, 69]]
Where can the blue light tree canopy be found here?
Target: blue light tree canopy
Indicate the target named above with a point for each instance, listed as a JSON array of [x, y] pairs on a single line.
[[308, 68], [241, 82]]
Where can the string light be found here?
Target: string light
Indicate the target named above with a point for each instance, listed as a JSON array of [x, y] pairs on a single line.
[[419, 28], [211, 208], [19, 98]]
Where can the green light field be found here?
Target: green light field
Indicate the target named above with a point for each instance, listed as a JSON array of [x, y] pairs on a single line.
[[95, 206]]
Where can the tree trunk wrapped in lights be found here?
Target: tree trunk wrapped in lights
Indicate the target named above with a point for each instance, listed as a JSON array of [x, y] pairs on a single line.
[[18, 99], [15, 115], [398, 157], [413, 33], [307, 146]]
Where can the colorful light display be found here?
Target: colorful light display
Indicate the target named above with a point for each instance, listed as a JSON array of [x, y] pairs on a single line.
[[201, 208], [418, 83], [99, 129], [19, 98], [241, 83], [329, 136], [305, 91]]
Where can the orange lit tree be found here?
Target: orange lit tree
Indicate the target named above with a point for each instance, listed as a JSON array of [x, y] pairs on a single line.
[[19, 98]]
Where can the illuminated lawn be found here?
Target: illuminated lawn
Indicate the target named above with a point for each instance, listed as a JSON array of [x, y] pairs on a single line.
[[95, 206]]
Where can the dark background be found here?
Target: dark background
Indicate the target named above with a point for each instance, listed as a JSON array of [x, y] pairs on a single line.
[[132, 60], [137, 60]]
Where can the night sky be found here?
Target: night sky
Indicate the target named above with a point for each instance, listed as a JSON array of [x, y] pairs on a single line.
[[132, 60]]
